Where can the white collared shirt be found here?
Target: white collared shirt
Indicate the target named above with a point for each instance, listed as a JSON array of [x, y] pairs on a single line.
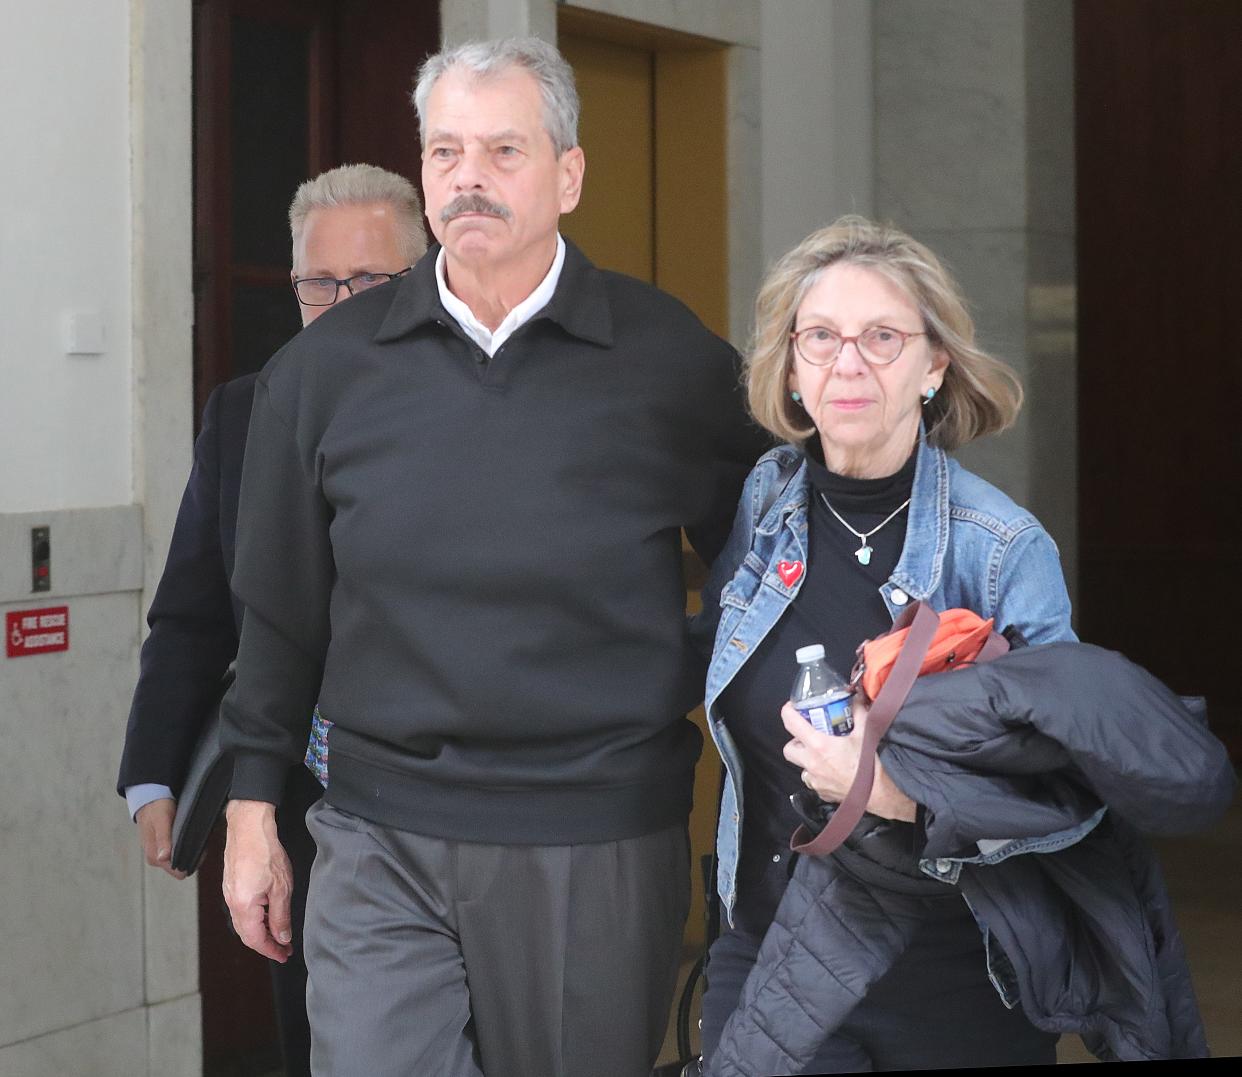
[[490, 341]]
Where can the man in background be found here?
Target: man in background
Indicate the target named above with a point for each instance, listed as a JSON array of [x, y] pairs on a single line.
[[353, 228]]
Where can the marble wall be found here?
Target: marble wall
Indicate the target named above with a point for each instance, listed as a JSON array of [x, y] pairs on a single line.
[[974, 156], [162, 1041], [98, 954], [162, 290], [98, 958], [817, 109], [64, 255], [71, 921]]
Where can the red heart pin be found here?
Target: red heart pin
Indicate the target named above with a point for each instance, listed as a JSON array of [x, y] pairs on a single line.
[[789, 572]]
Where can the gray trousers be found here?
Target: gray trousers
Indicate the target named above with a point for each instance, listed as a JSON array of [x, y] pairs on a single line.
[[432, 958]]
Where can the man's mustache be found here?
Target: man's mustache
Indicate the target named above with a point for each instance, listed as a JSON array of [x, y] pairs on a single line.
[[474, 203]]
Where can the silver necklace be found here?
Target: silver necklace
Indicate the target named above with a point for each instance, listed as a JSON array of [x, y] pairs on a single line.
[[864, 552]]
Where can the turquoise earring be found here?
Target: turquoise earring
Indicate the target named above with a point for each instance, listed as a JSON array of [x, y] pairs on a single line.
[[929, 395], [797, 396]]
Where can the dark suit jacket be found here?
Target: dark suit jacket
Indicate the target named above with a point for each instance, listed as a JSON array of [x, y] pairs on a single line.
[[195, 619]]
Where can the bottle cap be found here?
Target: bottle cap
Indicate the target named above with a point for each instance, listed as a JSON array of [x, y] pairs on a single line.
[[810, 654]]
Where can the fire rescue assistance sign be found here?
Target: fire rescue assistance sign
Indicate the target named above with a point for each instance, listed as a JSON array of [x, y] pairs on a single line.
[[36, 631]]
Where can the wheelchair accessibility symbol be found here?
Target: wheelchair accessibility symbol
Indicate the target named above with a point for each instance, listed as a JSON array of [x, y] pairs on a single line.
[[29, 632]]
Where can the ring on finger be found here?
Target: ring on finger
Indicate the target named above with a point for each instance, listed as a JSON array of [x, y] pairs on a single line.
[[806, 780]]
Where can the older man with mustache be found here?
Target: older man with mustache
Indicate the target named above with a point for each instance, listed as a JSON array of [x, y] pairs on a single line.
[[462, 510]]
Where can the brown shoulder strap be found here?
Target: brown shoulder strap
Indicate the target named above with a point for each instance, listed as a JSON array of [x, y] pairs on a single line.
[[923, 622], [993, 647]]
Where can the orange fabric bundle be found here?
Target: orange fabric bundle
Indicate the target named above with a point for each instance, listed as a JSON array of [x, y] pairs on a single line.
[[957, 642]]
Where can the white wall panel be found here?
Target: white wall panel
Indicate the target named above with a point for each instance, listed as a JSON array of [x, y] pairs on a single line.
[[71, 929], [64, 248]]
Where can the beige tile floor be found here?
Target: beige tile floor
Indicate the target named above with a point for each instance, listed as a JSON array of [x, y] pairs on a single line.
[[1204, 876]]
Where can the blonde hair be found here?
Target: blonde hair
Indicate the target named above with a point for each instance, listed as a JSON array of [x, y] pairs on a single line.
[[362, 185], [980, 395]]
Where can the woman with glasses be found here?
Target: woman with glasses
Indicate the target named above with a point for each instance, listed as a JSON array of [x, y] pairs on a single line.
[[864, 362]]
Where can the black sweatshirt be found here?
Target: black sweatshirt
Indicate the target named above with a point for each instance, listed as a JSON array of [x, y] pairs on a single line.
[[474, 565]]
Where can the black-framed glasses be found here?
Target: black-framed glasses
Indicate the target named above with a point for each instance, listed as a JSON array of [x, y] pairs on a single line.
[[879, 345], [322, 291]]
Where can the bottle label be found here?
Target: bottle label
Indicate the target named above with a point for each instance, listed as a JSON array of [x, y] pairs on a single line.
[[834, 715]]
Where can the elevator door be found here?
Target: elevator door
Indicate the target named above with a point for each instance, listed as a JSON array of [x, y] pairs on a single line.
[[653, 206]]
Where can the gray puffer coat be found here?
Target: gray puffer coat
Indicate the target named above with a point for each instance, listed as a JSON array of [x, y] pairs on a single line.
[[1081, 935]]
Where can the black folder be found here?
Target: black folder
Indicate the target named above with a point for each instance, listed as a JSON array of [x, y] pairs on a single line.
[[204, 792]]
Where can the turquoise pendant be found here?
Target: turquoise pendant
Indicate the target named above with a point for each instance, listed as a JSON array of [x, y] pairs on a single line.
[[863, 553]]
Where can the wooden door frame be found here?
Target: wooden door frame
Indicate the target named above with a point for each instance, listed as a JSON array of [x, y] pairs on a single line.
[[214, 271]]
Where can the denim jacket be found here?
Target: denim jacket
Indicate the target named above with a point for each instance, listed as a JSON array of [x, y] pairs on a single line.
[[967, 545]]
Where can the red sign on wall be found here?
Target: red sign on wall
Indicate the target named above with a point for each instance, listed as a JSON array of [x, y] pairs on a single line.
[[36, 631]]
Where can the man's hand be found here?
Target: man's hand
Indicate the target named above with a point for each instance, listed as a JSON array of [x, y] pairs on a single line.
[[257, 879], [829, 763], [155, 821]]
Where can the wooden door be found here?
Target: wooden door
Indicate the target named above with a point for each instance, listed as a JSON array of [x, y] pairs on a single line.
[[283, 89], [264, 121], [1159, 165]]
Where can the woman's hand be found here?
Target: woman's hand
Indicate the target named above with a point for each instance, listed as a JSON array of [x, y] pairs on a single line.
[[828, 764]]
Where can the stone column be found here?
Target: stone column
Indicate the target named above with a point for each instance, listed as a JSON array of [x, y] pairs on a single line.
[[817, 129], [974, 156], [463, 20], [163, 416]]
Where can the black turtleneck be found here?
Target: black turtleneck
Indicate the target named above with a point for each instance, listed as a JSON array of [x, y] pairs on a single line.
[[838, 605]]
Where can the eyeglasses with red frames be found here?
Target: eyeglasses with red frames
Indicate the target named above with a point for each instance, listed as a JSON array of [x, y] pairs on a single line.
[[878, 345]]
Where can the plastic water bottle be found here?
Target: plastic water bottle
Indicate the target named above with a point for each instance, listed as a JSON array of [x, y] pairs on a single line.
[[819, 695]]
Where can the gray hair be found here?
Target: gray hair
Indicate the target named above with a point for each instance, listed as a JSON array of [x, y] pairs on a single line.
[[360, 185], [483, 59]]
